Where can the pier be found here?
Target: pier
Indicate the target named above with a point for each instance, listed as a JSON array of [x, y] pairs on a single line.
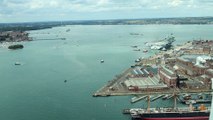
[[170, 96], [36, 39], [136, 99], [157, 97]]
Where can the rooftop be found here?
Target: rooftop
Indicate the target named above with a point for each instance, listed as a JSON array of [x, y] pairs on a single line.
[[210, 71], [145, 82]]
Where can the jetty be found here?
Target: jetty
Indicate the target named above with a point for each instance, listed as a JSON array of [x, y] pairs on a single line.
[[170, 96], [136, 99], [157, 97], [36, 39]]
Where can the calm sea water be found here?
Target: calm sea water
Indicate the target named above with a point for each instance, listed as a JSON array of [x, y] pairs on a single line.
[[36, 89]]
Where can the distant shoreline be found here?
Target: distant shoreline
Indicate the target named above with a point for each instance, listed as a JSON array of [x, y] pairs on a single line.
[[146, 21]]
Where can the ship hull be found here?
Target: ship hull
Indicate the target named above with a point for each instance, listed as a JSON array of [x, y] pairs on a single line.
[[175, 116], [178, 118]]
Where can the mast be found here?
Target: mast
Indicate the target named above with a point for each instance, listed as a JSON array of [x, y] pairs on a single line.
[[148, 104], [148, 100], [175, 99]]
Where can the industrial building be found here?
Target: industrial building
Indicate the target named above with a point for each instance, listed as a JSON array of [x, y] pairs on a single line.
[[143, 78], [168, 76], [144, 83], [193, 65]]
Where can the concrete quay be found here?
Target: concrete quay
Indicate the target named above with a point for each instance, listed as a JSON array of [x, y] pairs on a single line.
[[107, 93], [113, 86], [116, 87]]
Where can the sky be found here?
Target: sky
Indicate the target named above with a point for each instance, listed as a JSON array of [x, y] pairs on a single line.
[[60, 10]]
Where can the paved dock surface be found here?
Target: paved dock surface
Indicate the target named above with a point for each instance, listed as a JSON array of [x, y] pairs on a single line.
[[116, 87]]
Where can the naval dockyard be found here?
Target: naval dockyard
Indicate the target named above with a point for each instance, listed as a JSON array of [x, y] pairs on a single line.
[[185, 69]]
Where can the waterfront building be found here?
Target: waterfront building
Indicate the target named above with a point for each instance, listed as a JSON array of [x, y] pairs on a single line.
[[201, 43], [209, 73], [143, 78], [206, 49], [135, 84], [168, 76], [170, 61], [193, 65], [200, 47], [209, 63]]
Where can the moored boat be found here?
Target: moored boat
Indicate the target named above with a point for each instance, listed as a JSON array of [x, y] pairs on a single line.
[[173, 113], [137, 50], [165, 97], [195, 99], [201, 113]]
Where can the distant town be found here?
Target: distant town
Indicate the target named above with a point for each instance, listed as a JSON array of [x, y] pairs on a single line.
[[14, 36], [16, 32]]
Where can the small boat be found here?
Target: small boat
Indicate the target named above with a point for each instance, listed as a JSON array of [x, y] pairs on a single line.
[[102, 61], [187, 97], [17, 63], [134, 33], [194, 99], [165, 97], [137, 50], [145, 50], [138, 60], [67, 30], [134, 46]]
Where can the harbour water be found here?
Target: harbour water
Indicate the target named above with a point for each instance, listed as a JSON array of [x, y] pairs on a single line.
[[35, 90]]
